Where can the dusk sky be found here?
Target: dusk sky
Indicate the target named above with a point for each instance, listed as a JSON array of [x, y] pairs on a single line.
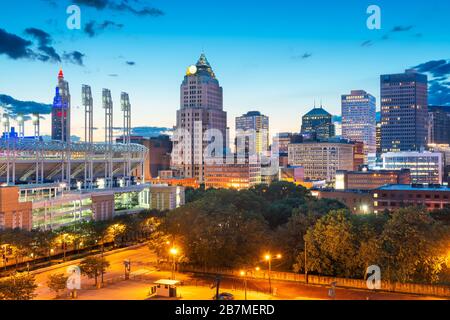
[[277, 57]]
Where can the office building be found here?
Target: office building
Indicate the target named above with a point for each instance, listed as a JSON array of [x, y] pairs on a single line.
[[232, 175], [370, 179], [425, 167], [201, 109], [439, 124], [393, 197], [378, 138], [359, 119], [254, 128], [321, 160], [404, 111], [317, 124]]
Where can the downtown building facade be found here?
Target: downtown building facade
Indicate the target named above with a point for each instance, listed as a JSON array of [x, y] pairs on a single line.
[[359, 119], [253, 126], [321, 160], [235, 175], [425, 167], [201, 112], [404, 111], [439, 125], [370, 179]]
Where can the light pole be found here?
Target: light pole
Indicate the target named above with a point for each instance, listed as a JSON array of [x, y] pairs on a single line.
[[268, 257], [244, 274], [173, 252], [306, 268]]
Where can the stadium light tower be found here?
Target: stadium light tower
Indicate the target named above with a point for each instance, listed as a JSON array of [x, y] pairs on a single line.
[[6, 129], [88, 135], [126, 138], [21, 123], [108, 106], [39, 169]]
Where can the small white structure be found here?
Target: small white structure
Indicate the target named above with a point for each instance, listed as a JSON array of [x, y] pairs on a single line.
[[166, 288]]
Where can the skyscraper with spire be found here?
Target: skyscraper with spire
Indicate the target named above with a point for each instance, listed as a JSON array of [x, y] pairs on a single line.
[[61, 110], [201, 109]]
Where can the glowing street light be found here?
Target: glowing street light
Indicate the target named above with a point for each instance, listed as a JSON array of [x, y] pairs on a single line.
[[269, 257], [173, 252]]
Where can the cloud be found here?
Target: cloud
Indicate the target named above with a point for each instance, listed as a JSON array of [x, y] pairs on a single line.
[[113, 75], [439, 86], [367, 43], [437, 68], [146, 131], [388, 36], [74, 57], [44, 41], [439, 93], [48, 138], [14, 46], [150, 131], [122, 6], [130, 63], [92, 28], [401, 28], [14, 107]]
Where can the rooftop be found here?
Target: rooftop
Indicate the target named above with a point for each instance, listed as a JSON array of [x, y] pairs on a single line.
[[318, 112], [417, 187]]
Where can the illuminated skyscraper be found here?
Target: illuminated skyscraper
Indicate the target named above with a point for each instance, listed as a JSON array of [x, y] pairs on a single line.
[[317, 124], [61, 110], [201, 108], [359, 119], [404, 111]]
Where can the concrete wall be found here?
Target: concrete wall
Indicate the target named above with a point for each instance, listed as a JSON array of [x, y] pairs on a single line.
[[410, 288]]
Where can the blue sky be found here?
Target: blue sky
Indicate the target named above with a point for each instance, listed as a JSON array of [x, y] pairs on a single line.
[[273, 56]]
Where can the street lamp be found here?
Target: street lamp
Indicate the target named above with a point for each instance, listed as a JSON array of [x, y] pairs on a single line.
[[244, 274], [173, 252], [268, 257]]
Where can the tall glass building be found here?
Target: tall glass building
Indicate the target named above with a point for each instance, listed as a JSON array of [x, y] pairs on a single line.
[[404, 111], [359, 119], [317, 124]]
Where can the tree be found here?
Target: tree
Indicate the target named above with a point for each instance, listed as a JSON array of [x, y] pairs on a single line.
[[20, 242], [413, 246], [43, 240], [289, 237], [93, 267], [57, 282], [332, 246], [19, 286], [215, 232]]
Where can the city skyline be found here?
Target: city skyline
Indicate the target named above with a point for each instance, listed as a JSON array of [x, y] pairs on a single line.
[[160, 50]]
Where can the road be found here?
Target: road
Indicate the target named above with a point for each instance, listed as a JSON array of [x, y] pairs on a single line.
[[196, 287]]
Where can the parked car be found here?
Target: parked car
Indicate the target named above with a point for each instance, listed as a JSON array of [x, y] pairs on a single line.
[[224, 296]]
